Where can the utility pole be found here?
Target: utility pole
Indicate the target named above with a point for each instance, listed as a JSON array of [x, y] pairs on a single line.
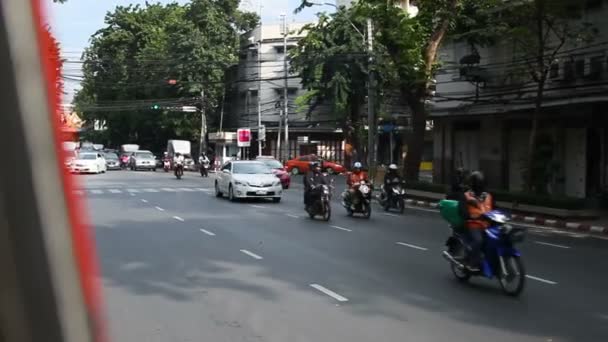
[[259, 43], [371, 92], [285, 85], [203, 141]]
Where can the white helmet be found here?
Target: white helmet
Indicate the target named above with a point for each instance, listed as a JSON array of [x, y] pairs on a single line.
[[392, 167], [358, 165]]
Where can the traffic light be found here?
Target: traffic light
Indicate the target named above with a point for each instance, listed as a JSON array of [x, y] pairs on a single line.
[[155, 107]]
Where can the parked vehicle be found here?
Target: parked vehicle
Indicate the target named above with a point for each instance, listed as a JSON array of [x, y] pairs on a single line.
[[396, 199], [360, 201], [322, 206], [278, 169], [142, 160], [112, 161], [247, 179], [302, 165], [500, 258], [88, 162]]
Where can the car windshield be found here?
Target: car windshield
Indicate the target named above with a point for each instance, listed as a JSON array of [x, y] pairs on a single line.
[[87, 156], [144, 155], [273, 163], [111, 156], [251, 168]]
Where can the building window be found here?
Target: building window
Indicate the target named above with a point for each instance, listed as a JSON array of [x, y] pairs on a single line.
[[579, 67], [596, 67], [569, 70], [554, 71], [279, 49]]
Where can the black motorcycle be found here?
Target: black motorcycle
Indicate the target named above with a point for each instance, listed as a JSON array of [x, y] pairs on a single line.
[[179, 170], [322, 205], [361, 201], [393, 198]]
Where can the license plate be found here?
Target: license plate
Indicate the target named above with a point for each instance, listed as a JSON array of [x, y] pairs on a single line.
[[261, 192]]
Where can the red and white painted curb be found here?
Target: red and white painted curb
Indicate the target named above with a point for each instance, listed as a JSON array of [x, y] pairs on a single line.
[[572, 226]]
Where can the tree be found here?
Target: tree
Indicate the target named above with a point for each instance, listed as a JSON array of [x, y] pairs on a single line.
[[334, 70], [130, 62], [541, 30]]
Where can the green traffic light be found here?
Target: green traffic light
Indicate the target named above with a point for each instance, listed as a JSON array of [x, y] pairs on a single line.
[[155, 107]]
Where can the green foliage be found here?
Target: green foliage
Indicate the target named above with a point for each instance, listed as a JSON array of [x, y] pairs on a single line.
[[131, 59]]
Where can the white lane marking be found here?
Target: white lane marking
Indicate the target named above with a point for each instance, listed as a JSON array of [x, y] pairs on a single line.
[[253, 255], [133, 190], [550, 282], [293, 216], [551, 244], [186, 189], [391, 215], [178, 218], [132, 194], [159, 209], [168, 189], [412, 246], [258, 206], [151, 190], [203, 189], [115, 191], [340, 228], [207, 232], [596, 229], [329, 292], [145, 201], [97, 192]]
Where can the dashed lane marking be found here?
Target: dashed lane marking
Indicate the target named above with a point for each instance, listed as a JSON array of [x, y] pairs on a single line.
[[178, 218], [412, 246], [329, 292], [253, 255], [340, 228], [550, 282], [551, 244], [207, 232]]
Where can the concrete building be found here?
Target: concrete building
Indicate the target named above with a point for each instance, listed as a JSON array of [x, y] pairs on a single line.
[[483, 107], [260, 80]]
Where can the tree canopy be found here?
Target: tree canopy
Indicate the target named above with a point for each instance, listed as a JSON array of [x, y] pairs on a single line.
[[150, 60]]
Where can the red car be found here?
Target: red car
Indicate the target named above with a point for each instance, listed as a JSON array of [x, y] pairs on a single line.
[[302, 165], [278, 169]]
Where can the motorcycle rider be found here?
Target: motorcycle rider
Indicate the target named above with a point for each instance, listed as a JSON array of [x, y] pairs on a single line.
[[391, 178], [313, 178], [179, 160], [352, 180], [472, 206], [204, 163]]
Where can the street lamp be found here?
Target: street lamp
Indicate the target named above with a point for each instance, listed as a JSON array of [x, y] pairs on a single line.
[[259, 62]]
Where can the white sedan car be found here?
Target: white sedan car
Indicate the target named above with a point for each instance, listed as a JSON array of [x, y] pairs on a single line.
[[247, 179], [89, 162]]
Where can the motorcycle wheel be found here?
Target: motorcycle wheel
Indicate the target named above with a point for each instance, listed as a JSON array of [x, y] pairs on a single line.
[[311, 213], [349, 212], [326, 212], [401, 205], [459, 254], [368, 211], [513, 284]]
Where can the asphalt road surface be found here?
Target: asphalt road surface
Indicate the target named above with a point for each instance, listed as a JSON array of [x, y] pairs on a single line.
[[179, 264]]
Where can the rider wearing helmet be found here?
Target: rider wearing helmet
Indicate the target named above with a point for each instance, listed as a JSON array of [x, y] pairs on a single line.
[[472, 206], [353, 180], [391, 178], [313, 178]]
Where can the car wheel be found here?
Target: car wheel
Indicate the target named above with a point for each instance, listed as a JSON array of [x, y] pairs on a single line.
[[231, 194], [295, 171], [154, 169], [218, 193], [276, 199]]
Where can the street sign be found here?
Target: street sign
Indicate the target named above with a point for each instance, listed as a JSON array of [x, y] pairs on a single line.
[[243, 137], [262, 133], [189, 109]]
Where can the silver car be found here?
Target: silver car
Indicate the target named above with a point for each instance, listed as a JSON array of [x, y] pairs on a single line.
[[248, 179]]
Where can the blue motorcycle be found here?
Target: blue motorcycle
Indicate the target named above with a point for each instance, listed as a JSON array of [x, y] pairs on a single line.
[[500, 258]]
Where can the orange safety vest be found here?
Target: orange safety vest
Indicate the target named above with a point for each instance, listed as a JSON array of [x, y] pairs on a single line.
[[477, 207]]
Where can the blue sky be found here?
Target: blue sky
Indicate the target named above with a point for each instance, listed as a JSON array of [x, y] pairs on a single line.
[[75, 21]]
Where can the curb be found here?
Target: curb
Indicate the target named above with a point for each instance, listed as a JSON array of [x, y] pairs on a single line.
[[570, 226]]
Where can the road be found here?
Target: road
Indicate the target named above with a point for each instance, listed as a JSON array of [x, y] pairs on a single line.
[[179, 264]]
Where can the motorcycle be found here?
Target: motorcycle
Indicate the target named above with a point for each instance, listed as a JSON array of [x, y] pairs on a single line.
[[322, 206], [500, 258], [361, 201], [396, 199], [166, 165], [179, 170]]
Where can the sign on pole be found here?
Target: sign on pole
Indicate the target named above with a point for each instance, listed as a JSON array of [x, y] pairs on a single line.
[[262, 133], [189, 109], [243, 137]]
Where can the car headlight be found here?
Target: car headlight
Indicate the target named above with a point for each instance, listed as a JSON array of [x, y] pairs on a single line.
[[276, 183], [239, 182]]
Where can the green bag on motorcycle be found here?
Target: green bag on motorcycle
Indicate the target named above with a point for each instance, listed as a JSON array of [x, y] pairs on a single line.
[[449, 211]]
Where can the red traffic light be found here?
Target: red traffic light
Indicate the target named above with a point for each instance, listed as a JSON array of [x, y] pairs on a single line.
[[172, 82]]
